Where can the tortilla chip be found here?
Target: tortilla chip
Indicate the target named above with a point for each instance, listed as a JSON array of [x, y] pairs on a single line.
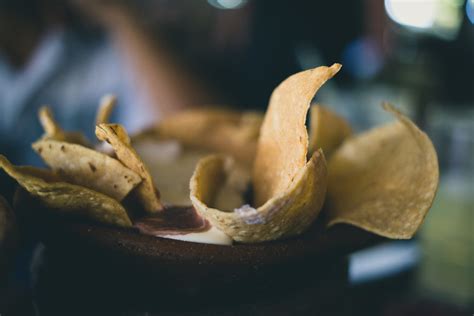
[[284, 215], [87, 167], [117, 137], [54, 131], [283, 143], [384, 180], [68, 199], [327, 130], [107, 105], [42, 173], [221, 131]]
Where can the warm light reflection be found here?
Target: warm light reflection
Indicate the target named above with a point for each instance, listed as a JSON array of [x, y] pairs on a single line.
[[438, 17], [415, 13]]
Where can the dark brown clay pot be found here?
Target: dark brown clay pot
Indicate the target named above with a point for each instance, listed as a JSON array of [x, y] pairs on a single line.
[[108, 266]]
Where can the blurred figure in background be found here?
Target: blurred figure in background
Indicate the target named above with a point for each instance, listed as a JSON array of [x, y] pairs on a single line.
[[50, 54], [156, 56]]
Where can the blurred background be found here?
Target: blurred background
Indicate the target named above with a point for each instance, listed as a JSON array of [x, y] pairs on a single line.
[[160, 57]]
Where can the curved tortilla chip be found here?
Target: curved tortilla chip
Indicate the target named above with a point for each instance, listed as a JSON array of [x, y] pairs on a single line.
[[68, 198], [283, 143], [117, 137], [87, 167], [284, 215], [384, 180], [221, 131], [42, 173], [327, 130], [54, 131], [107, 105]]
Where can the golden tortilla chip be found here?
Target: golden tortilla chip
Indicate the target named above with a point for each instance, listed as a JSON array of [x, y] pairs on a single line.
[[42, 173], [284, 215], [222, 131], [327, 130], [54, 131], [117, 137], [289, 190], [107, 105], [87, 167], [283, 143], [66, 198], [384, 180]]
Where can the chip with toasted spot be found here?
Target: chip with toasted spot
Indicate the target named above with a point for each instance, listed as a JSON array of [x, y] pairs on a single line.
[[87, 167], [69, 199], [117, 137]]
